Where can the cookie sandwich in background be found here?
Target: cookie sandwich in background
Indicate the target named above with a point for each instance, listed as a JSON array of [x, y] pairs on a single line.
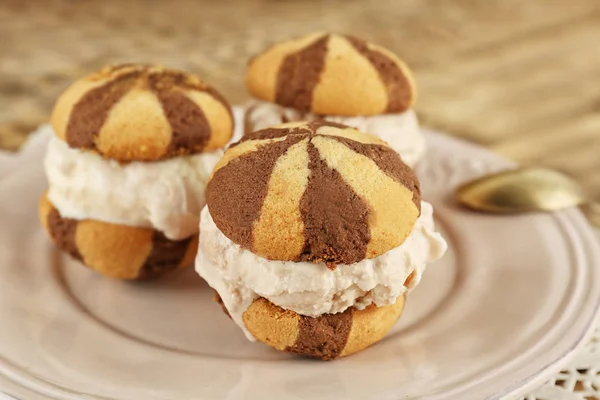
[[338, 78], [127, 169], [312, 236]]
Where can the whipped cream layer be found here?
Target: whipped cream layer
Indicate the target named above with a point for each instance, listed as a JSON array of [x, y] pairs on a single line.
[[400, 131], [240, 276], [164, 195]]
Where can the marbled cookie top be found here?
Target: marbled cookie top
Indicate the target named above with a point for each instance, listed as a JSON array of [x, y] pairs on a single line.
[[317, 191], [332, 74], [137, 112]]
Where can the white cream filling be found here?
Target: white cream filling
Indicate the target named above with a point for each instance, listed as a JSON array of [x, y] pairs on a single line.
[[400, 131], [165, 195], [239, 276]]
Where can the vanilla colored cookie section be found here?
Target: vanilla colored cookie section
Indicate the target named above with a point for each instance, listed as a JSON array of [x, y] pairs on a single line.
[[149, 133], [371, 325], [271, 325], [280, 229]]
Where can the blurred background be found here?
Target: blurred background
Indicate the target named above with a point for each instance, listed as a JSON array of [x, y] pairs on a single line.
[[519, 77]]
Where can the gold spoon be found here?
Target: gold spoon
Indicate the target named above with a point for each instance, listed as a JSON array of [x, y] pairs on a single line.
[[522, 190]]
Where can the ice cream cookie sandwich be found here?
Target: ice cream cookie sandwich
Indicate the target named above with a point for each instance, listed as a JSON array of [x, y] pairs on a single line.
[[339, 78], [127, 169], [312, 235]]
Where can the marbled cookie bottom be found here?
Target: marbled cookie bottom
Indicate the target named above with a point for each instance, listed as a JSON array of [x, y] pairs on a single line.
[[117, 251], [326, 337]]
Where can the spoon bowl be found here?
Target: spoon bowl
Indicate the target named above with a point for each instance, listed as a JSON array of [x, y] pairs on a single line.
[[521, 190]]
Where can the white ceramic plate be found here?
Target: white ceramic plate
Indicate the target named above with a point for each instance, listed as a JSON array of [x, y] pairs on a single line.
[[503, 310]]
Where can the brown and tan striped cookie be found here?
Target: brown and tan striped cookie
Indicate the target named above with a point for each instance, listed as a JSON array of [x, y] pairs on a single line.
[[136, 112], [326, 337], [317, 191], [331, 74], [117, 251]]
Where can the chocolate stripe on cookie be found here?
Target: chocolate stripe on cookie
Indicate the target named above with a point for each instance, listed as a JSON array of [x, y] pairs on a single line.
[[166, 255], [62, 231], [167, 79], [336, 228], [298, 75], [389, 162], [189, 126], [236, 191], [91, 111], [324, 337], [394, 79]]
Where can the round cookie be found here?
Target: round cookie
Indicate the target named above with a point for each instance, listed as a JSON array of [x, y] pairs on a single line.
[[326, 337], [318, 192], [136, 112], [330, 74], [116, 251]]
